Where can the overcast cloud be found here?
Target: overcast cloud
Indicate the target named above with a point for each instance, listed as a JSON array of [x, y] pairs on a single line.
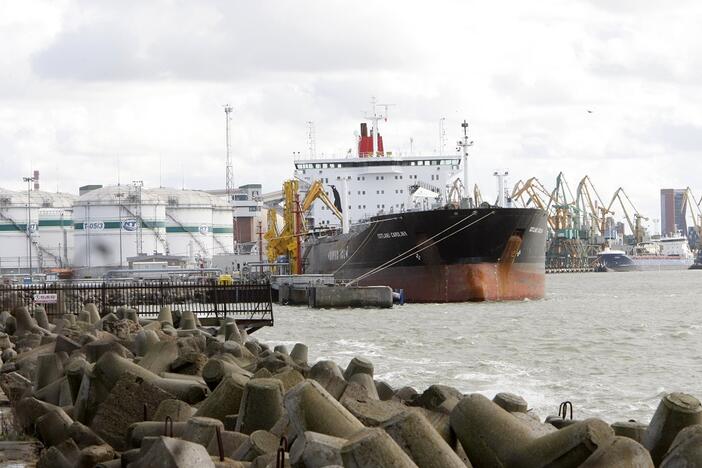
[[93, 90]]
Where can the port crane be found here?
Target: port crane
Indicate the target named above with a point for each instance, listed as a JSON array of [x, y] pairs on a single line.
[[695, 213], [287, 240], [635, 226], [533, 193], [591, 208]]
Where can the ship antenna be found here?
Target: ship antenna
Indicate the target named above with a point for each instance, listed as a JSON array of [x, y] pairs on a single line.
[[375, 118], [463, 145], [442, 136]]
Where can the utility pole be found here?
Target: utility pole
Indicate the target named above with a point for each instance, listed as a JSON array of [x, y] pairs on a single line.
[[119, 196], [29, 181]]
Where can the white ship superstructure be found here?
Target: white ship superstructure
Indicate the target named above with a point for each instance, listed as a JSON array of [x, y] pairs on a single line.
[[379, 184]]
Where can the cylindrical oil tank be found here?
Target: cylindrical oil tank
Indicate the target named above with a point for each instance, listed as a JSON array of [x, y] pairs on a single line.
[[114, 223], [222, 227], [188, 222], [15, 209], [54, 237]]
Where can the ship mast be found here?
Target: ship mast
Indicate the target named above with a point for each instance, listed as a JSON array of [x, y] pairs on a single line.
[[463, 145], [375, 118]]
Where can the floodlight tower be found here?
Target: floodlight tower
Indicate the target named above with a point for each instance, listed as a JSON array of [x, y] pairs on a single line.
[[230, 175]]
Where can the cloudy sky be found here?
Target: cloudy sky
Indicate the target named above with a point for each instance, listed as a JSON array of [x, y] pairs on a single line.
[[90, 91]]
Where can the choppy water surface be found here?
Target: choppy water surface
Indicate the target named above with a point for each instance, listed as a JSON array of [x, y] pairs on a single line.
[[612, 343]]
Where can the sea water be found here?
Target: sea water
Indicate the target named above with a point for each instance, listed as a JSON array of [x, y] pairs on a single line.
[[611, 343]]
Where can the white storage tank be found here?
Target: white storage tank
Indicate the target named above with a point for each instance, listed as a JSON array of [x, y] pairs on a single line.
[[188, 221], [14, 245], [222, 227], [114, 223], [54, 236]]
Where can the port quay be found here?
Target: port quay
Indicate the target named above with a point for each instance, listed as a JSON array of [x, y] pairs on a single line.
[[323, 234]]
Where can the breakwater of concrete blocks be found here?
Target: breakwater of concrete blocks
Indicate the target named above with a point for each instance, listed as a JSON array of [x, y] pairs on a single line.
[[117, 391]]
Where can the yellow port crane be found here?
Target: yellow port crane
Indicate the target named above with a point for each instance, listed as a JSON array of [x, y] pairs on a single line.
[[287, 240], [635, 226], [592, 208], [533, 193]]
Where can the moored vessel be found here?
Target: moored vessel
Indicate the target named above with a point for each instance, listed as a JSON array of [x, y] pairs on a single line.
[[407, 221]]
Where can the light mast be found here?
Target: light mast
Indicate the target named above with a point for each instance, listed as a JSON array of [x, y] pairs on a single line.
[[463, 145]]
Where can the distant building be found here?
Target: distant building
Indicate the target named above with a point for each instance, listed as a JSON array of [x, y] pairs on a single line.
[[673, 211]]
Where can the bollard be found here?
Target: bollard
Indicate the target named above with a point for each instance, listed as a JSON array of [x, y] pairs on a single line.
[[675, 412], [373, 447]]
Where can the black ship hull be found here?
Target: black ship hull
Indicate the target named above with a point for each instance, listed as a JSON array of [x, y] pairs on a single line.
[[447, 255]]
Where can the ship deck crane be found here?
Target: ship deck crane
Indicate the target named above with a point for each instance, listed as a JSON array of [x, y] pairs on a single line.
[[287, 240]]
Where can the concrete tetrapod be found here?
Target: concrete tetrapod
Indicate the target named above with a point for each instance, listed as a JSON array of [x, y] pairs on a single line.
[[511, 402], [314, 449], [201, 430], [675, 412], [311, 408], [491, 436], [261, 405], [358, 365], [217, 368], [49, 369], [299, 354], [110, 367], [686, 449], [373, 447], [413, 433], [631, 429], [225, 399], [175, 453], [165, 315], [41, 318], [623, 452]]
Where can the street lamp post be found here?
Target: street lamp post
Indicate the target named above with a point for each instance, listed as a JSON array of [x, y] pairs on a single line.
[[29, 181]]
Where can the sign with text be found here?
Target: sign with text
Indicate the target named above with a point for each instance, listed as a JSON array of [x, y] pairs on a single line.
[[45, 298]]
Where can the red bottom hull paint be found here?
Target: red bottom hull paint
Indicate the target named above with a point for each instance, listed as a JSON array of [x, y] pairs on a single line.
[[464, 282]]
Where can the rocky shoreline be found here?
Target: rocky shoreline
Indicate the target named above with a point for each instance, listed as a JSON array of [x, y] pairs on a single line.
[[118, 391]]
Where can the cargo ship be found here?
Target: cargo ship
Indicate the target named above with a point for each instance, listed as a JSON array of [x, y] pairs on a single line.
[[666, 253], [408, 226]]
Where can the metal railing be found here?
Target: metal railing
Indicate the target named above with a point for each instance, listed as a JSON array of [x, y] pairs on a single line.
[[249, 303]]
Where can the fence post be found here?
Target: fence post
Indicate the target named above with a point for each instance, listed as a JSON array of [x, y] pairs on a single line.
[[216, 299], [103, 296]]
